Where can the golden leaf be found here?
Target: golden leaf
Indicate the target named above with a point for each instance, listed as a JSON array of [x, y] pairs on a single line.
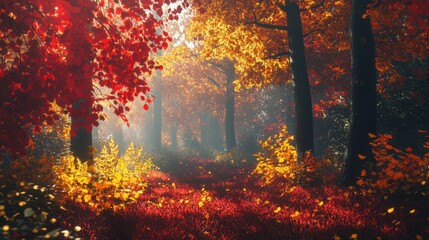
[[295, 214], [87, 198], [390, 210], [277, 210], [354, 236]]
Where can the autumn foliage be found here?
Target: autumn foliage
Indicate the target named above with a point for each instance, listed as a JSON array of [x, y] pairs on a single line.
[[396, 170], [65, 51], [277, 162], [112, 183], [232, 80]]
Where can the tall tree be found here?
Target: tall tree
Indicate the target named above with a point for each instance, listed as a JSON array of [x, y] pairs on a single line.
[[364, 80], [55, 51], [157, 115], [303, 105], [259, 69], [230, 107]]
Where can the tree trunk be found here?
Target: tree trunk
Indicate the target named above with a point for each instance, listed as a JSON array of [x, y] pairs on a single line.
[[214, 132], [204, 129], [157, 117], [81, 130], [173, 136], [81, 137], [118, 137], [364, 105], [303, 105], [147, 130], [230, 100]]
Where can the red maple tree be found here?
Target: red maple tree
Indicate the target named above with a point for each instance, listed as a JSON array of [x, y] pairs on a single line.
[[67, 51]]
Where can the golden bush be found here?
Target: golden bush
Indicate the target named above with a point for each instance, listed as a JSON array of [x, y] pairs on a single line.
[[113, 181], [277, 162]]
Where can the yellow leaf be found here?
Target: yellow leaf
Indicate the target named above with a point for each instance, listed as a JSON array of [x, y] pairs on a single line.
[[412, 211], [87, 198], [320, 203], [390, 210], [354, 236], [295, 214], [278, 209]]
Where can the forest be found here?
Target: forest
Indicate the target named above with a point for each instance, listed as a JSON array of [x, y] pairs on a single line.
[[214, 119]]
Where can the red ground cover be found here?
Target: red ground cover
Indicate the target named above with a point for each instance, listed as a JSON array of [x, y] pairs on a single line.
[[201, 199]]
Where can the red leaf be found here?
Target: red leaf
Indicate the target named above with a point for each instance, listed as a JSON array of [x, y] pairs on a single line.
[[146, 107], [159, 12]]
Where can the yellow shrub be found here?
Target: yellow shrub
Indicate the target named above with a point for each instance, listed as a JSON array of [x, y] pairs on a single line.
[[396, 170], [111, 183], [277, 161]]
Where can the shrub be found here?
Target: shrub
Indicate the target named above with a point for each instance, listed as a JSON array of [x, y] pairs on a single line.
[[113, 181], [277, 162]]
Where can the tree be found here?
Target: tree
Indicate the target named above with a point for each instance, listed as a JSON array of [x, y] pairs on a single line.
[[306, 21], [364, 79], [230, 108], [392, 43], [56, 51], [157, 116]]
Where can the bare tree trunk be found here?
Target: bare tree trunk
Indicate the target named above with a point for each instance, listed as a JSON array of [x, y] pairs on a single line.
[[230, 102], [173, 136], [81, 137], [364, 105], [204, 117], [303, 104], [157, 118]]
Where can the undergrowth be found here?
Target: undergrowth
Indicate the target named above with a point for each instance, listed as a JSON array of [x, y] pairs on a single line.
[[112, 183]]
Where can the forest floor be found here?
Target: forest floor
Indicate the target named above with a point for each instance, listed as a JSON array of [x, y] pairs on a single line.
[[197, 198]]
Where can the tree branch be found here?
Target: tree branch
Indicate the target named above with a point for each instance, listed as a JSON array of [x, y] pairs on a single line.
[[282, 7], [321, 4], [312, 31], [266, 25], [216, 65], [213, 81], [278, 55], [317, 5]]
